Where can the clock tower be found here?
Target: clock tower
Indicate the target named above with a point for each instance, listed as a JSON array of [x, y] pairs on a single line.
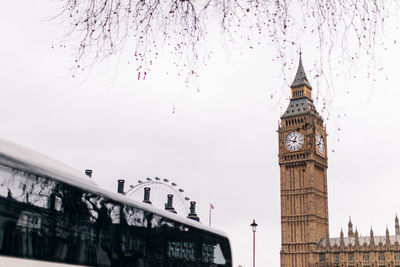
[[303, 181]]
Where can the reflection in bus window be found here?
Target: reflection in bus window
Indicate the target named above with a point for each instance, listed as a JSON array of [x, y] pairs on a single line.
[[213, 254], [45, 219], [181, 250], [208, 253], [190, 252], [184, 248]]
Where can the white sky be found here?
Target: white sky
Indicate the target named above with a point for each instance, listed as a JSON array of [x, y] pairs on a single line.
[[220, 145]]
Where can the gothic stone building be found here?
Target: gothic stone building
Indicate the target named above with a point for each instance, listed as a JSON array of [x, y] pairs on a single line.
[[304, 197]]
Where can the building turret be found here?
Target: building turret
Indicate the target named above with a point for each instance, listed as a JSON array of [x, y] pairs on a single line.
[[341, 239], [396, 225], [350, 231], [387, 239], [371, 237]]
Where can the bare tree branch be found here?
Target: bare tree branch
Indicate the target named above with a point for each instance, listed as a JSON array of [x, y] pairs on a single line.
[[102, 28]]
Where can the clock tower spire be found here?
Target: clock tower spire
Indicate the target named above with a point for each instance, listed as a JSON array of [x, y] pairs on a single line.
[[303, 179], [300, 87]]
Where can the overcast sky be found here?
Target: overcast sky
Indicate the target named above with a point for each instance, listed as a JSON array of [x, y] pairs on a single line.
[[220, 144]]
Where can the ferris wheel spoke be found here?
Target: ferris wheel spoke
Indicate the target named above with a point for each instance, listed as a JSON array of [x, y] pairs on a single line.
[[159, 190]]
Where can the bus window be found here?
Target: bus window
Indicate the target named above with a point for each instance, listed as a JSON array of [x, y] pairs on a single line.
[[218, 255], [190, 252], [205, 253], [26, 188], [45, 219], [184, 249]]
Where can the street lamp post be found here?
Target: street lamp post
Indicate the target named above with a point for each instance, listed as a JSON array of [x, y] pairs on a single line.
[[253, 228]]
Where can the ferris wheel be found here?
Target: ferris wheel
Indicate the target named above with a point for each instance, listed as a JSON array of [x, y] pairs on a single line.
[[161, 193]]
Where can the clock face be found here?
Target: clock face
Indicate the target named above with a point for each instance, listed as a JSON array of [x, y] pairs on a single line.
[[319, 141], [294, 141]]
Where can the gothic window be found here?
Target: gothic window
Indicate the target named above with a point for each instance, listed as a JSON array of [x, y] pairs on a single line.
[[351, 257], [381, 256], [365, 257], [397, 256], [322, 257], [336, 258]]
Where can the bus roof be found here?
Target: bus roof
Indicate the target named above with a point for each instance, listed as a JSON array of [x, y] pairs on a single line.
[[19, 157]]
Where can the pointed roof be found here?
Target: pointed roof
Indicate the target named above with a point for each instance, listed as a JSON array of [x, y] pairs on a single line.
[[300, 106], [350, 223], [300, 79]]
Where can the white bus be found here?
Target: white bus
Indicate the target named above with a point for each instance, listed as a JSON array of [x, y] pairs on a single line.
[[51, 215]]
